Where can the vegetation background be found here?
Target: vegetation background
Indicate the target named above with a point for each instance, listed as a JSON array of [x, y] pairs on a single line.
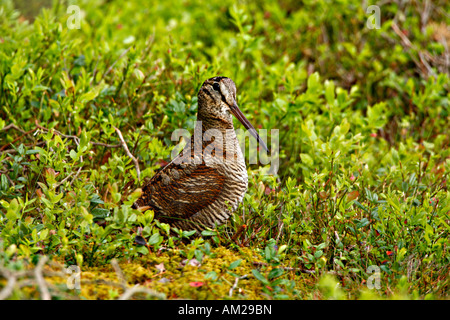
[[359, 208]]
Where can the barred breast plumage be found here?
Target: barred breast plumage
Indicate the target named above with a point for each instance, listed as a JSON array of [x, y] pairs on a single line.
[[206, 182]]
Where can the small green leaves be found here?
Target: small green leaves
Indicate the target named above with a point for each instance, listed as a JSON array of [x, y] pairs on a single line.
[[235, 264], [260, 277], [307, 159]]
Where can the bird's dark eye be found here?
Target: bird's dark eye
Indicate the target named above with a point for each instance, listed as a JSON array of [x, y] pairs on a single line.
[[216, 86]]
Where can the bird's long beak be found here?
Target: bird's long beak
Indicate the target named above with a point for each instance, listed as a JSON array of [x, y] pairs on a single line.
[[240, 116]]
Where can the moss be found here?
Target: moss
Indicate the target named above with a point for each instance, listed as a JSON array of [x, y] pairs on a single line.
[[178, 279]]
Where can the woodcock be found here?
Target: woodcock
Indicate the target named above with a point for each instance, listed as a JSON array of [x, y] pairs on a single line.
[[204, 184]]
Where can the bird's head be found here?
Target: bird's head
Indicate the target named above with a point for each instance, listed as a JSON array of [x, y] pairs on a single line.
[[217, 103]]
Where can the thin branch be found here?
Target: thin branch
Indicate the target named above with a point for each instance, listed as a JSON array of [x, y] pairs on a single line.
[[236, 280], [259, 264], [136, 289], [129, 292], [106, 145], [27, 146], [8, 289], [119, 272], [64, 180], [114, 63], [16, 139], [407, 45], [125, 147], [40, 278], [13, 126], [16, 280], [75, 138], [76, 176]]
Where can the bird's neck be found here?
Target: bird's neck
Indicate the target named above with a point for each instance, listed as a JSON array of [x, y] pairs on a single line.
[[216, 133]]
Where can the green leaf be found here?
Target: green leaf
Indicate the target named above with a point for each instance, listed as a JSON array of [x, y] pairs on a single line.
[[235, 264], [100, 213], [329, 91], [318, 254], [187, 234], [306, 159], [207, 233], [275, 273], [73, 154], [154, 239], [260, 277], [43, 235]]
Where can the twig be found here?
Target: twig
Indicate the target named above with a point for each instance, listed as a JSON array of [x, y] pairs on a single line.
[[119, 272], [16, 139], [236, 280], [280, 227], [129, 292], [114, 63], [258, 264], [404, 38], [35, 277], [125, 147], [64, 180], [106, 145], [9, 179], [40, 278], [423, 64], [75, 138], [13, 126], [12, 279], [27, 146], [76, 175], [136, 289]]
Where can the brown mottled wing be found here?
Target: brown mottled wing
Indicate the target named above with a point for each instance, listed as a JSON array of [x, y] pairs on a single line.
[[180, 191]]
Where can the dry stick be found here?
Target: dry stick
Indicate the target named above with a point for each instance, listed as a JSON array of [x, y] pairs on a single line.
[[106, 145], [119, 273], [129, 292], [76, 175], [76, 139], [258, 264], [38, 274], [125, 147], [8, 289], [282, 223], [13, 126], [16, 139], [235, 284], [40, 278], [112, 66], [30, 145], [64, 180], [10, 181], [407, 44], [136, 289]]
